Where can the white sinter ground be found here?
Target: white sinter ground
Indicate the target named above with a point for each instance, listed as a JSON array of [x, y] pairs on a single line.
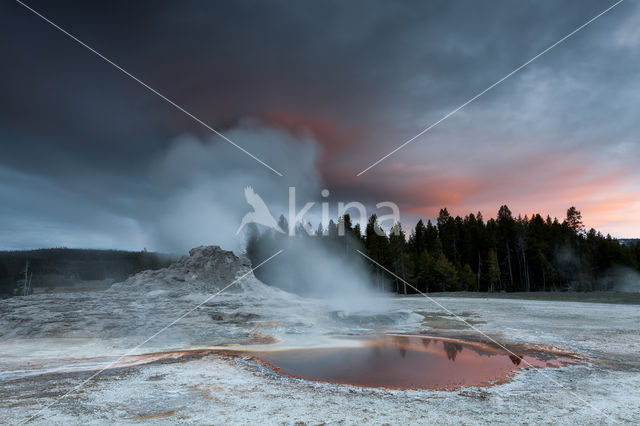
[[50, 343]]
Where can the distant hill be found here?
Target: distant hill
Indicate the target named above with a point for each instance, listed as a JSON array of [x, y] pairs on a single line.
[[629, 241], [60, 267]]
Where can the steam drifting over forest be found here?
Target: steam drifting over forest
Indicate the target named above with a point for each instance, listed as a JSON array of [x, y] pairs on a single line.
[[455, 254]]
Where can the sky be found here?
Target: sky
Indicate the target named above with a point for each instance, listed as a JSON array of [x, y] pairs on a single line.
[[319, 90]]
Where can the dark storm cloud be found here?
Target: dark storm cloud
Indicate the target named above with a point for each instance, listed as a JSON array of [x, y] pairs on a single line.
[[360, 76]]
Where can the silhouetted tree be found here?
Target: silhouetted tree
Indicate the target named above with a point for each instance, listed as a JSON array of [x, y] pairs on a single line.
[[493, 271], [574, 220], [468, 279], [397, 250]]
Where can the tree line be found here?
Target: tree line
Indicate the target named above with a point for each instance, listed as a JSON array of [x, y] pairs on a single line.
[[512, 254], [59, 266]]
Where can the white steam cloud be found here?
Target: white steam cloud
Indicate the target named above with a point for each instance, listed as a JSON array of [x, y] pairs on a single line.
[[621, 279], [204, 181], [202, 185]]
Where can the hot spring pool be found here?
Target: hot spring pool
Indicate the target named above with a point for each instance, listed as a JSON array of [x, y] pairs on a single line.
[[409, 362]]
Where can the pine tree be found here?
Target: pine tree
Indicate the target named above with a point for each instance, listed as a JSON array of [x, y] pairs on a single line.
[[506, 226], [397, 250], [283, 223], [376, 245], [493, 270], [468, 279], [574, 220], [446, 274], [425, 272]]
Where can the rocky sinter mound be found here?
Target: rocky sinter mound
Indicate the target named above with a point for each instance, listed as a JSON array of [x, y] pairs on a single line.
[[134, 309], [206, 268]]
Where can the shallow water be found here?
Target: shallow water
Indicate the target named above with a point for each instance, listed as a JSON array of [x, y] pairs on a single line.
[[397, 361]]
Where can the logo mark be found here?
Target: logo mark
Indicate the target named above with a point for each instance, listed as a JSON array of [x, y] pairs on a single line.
[[260, 214]]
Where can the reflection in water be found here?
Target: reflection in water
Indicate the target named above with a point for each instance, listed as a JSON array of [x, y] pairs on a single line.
[[401, 344], [516, 359], [396, 361], [452, 349]]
